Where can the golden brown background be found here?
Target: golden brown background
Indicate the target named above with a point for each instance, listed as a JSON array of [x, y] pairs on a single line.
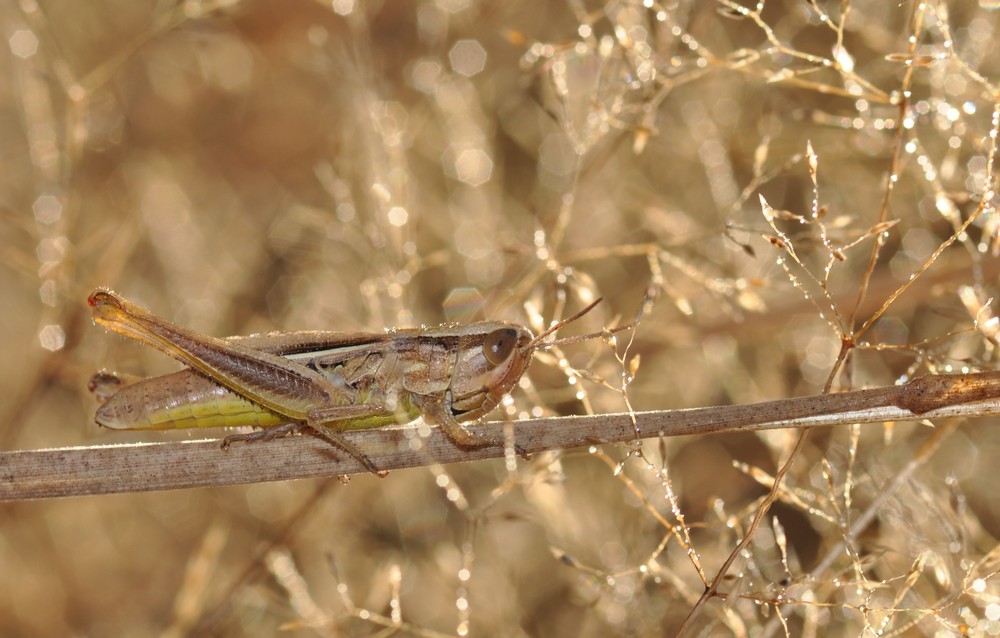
[[248, 166]]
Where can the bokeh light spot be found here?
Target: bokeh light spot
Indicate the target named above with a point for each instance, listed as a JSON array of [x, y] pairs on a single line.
[[467, 57], [343, 7], [557, 155], [463, 304], [52, 337], [425, 76], [23, 43], [474, 167], [47, 209], [398, 216]]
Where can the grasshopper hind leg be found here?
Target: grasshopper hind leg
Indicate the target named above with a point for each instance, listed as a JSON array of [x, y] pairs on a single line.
[[297, 427]]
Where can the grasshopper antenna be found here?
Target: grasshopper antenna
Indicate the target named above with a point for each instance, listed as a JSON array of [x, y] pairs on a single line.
[[592, 335], [534, 343]]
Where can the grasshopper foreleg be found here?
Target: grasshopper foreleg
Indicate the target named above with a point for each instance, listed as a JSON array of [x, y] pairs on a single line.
[[437, 410]]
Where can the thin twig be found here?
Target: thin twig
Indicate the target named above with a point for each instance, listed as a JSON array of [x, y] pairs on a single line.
[[867, 517], [107, 469]]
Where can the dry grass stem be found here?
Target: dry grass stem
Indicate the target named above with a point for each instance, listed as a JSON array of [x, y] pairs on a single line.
[[110, 469]]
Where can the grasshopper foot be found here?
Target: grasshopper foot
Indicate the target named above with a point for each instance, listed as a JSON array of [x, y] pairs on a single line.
[[267, 434], [340, 442], [469, 441], [295, 427]]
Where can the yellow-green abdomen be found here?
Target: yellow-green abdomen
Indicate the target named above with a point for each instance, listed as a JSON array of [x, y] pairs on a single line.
[[179, 401]]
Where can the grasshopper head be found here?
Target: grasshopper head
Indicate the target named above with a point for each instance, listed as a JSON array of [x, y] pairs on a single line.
[[491, 361], [489, 365]]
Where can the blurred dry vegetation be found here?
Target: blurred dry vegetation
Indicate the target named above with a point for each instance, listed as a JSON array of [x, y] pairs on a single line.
[[760, 180]]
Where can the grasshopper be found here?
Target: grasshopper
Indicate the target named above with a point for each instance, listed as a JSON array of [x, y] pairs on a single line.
[[315, 382]]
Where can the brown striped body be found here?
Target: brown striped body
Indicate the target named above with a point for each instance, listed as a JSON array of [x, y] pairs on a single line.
[[338, 380]]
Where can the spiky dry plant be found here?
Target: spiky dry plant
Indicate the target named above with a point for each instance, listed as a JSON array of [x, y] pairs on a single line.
[[799, 197]]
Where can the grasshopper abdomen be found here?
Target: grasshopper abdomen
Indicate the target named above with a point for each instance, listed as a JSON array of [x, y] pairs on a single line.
[[180, 400]]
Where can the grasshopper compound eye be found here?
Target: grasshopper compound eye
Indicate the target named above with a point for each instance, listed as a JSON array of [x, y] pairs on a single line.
[[499, 344]]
